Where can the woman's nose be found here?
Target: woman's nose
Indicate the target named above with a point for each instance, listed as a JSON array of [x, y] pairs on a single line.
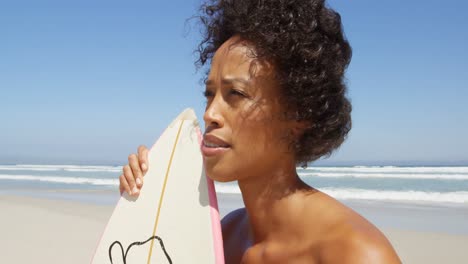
[[213, 116]]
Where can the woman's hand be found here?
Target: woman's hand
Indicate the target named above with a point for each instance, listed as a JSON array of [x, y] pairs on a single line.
[[131, 180]]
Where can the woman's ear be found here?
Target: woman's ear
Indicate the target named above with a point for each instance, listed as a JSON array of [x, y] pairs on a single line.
[[298, 128]]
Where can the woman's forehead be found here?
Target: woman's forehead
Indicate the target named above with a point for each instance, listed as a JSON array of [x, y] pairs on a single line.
[[236, 59], [232, 57]]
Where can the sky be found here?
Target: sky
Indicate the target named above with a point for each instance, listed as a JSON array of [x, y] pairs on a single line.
[[87, 82]]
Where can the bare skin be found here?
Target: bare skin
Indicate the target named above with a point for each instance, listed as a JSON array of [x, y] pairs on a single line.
[[284, 219]]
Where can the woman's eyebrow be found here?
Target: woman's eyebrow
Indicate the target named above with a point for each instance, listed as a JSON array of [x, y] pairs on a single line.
[[230, 80]]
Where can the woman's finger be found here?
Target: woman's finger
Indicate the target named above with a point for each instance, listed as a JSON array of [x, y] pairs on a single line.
[[123, 185], [143, 157], [130, 180], [135, 166]]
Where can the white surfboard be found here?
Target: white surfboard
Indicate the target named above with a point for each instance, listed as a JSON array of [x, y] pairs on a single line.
[[175, 218]]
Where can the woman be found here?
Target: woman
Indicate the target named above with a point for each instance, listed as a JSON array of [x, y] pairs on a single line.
[[276, 99]]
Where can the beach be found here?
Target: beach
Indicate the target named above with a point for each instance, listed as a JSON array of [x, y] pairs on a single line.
[[57, 213], [54, 226]]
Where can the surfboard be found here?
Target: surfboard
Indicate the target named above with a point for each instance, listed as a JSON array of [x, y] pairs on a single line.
[[175, 218]]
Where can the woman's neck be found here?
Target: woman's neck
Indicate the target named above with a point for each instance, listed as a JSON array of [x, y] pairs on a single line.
[[266, 196]]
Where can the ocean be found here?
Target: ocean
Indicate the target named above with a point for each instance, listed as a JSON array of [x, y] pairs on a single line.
[[442, 186]]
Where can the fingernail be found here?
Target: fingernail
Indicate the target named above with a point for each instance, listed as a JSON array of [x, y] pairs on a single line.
[[135, 190], [143, 166], [138, 181]]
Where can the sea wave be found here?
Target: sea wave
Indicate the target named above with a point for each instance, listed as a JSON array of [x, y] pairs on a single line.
[[385, 175], [71, 168], [388, 169], [377, 195], [65, 180], [411, 196], [380, 171], [458, 197]]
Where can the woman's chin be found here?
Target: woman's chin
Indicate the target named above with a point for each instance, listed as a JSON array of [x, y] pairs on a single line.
[[218, 176]]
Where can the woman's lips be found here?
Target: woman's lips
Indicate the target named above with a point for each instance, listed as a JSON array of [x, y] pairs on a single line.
[[212, 146]]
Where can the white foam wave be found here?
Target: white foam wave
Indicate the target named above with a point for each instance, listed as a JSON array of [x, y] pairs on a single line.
[[389, 169], [66, 180], [412, 196], [386, 175], [339, 193], [227, 188], [114, 169], [72, 168], [376, 195]]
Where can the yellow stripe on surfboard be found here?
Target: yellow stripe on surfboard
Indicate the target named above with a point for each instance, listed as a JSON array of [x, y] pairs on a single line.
[[162, 192]]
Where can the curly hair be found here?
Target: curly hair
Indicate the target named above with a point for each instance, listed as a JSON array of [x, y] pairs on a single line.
[[305, 41]]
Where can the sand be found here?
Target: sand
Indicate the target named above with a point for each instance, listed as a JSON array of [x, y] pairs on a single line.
[[49, 231], [40, 230]]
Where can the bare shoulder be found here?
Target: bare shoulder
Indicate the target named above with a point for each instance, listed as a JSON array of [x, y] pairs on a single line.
[[361, 247], [351, 238], [235, 235], [233, 219]]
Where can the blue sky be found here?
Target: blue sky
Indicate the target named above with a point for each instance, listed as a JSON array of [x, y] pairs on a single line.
[[88, 81]]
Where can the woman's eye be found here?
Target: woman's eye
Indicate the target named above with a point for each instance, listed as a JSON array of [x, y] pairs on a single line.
[[208, 94], [237, 93]]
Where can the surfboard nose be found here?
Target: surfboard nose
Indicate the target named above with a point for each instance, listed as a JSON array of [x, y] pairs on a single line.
[[187, 114]]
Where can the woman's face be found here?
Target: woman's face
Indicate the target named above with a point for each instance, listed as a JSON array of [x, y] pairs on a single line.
[[245, 130]]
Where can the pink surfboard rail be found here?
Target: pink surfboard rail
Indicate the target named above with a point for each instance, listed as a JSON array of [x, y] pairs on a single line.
[[214, 212]]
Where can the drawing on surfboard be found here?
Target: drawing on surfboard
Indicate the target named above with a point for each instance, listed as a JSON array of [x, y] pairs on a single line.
[[125, 253]]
